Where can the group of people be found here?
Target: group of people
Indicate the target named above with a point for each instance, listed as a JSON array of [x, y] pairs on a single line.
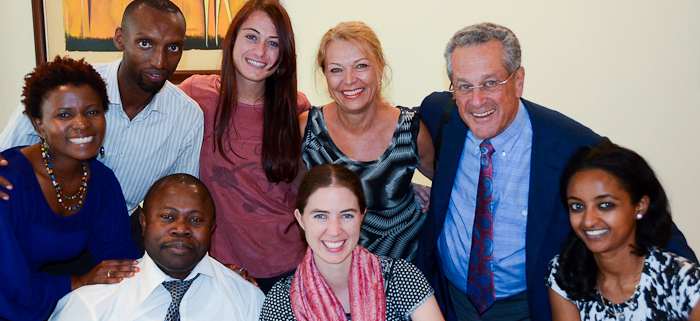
[[531, 216]]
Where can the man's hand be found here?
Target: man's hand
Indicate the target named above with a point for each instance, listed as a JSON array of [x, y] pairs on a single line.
[[107, 272], [3, 181], [242, 272]]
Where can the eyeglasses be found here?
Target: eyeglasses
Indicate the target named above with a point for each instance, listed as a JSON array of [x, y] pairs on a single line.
[[490, 86]]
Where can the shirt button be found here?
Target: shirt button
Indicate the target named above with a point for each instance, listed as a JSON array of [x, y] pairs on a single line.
[[524, 213]]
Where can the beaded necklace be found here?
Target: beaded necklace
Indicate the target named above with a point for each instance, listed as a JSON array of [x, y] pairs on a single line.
[[59, 193]]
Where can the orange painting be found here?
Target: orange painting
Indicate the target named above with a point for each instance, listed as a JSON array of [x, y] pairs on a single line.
[[89, 24]]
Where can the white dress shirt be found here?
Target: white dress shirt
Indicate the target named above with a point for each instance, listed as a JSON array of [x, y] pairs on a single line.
[[217, 294], [164, 138]]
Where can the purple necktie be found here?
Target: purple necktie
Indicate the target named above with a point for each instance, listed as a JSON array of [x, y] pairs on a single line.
[[480, 286]]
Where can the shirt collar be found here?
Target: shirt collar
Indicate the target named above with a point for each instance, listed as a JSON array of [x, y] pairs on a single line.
[[152, 276], [504, 142], [112, 81]]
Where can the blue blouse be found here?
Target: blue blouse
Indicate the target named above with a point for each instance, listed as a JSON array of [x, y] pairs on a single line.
[[32, 234]]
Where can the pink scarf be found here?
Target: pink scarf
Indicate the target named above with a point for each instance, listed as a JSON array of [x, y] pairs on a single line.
[[313, 300]]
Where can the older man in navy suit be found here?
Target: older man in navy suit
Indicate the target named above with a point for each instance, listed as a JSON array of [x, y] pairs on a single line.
[[500, 159]]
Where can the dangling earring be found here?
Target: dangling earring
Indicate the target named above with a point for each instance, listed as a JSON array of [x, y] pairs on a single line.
[[44, 148], [102, 151], [277, 71], [639, 216]]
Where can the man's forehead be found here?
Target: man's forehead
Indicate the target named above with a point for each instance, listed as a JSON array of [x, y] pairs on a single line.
[[469, 59], [145, 19], [182, 197]]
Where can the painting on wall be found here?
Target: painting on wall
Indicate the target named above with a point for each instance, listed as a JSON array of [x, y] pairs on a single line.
[[84, 29]]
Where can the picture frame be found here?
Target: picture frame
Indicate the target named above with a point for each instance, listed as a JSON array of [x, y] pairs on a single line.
[[50, 40]]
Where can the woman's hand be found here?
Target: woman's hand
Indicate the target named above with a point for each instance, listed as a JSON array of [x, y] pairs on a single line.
[[107, 272], [422, 194], [3, 181], [243, 273]]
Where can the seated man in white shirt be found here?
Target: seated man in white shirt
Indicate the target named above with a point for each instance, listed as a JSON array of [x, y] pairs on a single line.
[[177, 220]]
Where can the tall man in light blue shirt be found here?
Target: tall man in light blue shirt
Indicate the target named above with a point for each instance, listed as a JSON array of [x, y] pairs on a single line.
[[532, 145], [153, 128]]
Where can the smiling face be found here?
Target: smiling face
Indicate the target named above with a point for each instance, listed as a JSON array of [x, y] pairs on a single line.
[[72, 122], [353, 79], [331, 222], [152, 41], [256, 49], [602, 213], [177, 225], [486, 114]]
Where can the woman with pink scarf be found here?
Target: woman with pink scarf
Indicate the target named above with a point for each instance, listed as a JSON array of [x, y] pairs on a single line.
[[339, 279]]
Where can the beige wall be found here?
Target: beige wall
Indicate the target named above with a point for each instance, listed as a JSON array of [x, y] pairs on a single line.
[[16, 53], [630, 70]]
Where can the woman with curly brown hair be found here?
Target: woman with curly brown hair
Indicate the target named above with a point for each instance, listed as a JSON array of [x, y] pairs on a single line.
[[63, 200]]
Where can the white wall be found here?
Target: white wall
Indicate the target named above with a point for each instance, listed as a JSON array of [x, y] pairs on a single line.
[[16, 53], [629, 70]]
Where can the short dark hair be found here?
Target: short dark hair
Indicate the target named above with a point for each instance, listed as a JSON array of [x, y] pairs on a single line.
[[59, 72], [577, 273], [161, 5], [175, 178], [329, 175]]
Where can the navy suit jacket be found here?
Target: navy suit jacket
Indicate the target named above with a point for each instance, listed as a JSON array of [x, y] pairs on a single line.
[[555, 138]]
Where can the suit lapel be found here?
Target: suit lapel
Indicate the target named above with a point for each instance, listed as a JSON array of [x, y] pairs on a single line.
[[545, 169], [454, 135]]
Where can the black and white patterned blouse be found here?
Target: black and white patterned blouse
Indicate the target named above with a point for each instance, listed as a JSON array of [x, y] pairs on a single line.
[[405, 287], [394, 217], [668, 290]]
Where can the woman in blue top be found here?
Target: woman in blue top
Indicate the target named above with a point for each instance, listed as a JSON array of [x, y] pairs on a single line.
[[63, 201]]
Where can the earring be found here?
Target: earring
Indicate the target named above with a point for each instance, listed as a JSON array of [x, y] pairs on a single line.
[[44, 148], [102, 151], [277, 71], [639, 216]]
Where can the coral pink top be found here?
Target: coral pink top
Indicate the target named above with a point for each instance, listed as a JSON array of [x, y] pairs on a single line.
[[255, 222]]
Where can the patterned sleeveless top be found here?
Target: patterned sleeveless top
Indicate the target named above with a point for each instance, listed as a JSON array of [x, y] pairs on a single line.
[[394, 217]]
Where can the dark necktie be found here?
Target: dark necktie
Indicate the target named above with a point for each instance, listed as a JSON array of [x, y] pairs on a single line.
[[177, 290], [480, 286]]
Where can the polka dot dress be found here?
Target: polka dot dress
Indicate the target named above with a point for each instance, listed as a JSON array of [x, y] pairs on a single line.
[[406, 289]]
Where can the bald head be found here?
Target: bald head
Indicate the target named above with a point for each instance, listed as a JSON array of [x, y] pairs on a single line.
[[166, 6], [196, 187]]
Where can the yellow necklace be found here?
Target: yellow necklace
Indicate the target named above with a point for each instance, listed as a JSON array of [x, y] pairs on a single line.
[[632, 299]]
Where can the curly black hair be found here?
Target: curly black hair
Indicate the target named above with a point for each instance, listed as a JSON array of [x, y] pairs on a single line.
[[59, 72], [577, 273]]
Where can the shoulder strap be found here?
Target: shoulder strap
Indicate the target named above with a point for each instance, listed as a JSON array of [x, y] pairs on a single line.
[[443, 120]]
